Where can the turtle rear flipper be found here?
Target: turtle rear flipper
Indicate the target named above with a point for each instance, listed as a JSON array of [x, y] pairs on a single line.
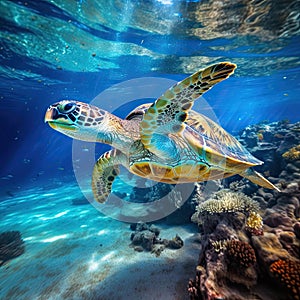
[[168, 113], [257, 178], [105, 171]]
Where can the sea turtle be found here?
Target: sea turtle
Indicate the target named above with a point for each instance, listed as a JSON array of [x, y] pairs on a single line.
[[164, 141]]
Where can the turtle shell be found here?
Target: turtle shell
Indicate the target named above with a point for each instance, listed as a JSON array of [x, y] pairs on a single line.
[[204, 134], [221, 153]]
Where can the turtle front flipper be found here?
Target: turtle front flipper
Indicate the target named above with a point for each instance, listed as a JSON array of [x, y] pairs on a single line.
[[168, 113], [105, 171]]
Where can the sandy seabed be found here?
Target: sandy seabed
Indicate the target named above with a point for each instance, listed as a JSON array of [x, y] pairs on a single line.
[[75, 252]]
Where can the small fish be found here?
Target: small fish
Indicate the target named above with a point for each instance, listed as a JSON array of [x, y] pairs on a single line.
[[260, 136]]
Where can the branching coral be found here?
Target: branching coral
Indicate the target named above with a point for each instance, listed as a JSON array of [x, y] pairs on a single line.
[[219, 245], [228, 202], [11, 245], [292, 154], [288, 273], [240, 253], [254, 223]]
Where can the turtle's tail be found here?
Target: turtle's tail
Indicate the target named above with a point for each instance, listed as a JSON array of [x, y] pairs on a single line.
[[257, 178]]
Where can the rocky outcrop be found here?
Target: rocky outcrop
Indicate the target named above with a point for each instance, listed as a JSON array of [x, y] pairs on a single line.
[[146, 238]]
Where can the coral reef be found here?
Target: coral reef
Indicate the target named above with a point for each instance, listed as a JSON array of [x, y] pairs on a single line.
[[226, 256], [287, 272], [146, 238], [11, 245], [292, 154], [261, 227], [222, 205]]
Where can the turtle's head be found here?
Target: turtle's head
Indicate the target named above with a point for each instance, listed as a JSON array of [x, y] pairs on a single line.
[[78, 120]]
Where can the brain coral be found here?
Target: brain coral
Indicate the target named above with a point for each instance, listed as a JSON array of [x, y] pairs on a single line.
[[240, 253], [288, 273]]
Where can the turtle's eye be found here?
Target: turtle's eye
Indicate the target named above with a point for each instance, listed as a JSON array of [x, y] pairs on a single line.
[[67, 107]]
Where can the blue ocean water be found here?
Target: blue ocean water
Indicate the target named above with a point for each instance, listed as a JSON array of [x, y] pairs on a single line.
[[54, 50], [47, 55]]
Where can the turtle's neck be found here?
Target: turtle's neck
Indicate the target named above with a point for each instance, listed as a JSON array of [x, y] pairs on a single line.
[[118, 133]]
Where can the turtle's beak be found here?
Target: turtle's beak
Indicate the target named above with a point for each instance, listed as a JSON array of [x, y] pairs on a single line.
[[58, 121], [48, 115]]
